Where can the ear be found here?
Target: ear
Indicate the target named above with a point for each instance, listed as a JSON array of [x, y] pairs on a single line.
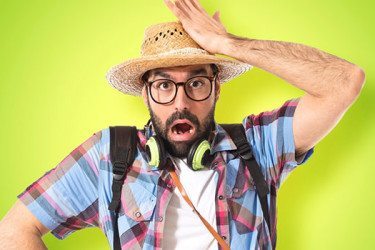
[[145, 95], [217, 90]]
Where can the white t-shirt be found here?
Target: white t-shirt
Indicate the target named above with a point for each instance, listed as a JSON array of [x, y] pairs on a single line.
[[183, 229]]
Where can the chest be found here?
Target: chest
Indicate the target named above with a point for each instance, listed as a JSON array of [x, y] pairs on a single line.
[[146, 195]]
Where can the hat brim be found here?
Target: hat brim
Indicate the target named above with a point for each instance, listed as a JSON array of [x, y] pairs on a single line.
[[126, 77]]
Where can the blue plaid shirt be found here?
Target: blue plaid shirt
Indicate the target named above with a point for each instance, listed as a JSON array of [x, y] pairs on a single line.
[[77, 192]]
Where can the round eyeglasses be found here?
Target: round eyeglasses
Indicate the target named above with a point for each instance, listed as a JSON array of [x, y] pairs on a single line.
[[197, 88]]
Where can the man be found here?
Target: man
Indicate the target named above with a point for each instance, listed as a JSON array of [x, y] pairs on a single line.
[[169, 75]]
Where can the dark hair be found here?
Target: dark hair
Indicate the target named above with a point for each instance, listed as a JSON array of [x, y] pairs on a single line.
[[144, 77], [215, 68]]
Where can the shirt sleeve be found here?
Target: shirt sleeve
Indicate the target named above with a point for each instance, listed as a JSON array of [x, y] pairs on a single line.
[[271, 136], [65, 199]]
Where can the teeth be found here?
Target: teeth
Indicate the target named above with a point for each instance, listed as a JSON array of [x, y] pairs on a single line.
[[178, 132], [174, 131]]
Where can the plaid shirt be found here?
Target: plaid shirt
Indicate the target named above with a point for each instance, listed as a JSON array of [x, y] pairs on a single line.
[[77, 192]]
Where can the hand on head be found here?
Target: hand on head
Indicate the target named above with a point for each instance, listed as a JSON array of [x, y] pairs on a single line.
[[205, 30]]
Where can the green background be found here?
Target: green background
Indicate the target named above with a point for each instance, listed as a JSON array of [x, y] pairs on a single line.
[[54, 95]]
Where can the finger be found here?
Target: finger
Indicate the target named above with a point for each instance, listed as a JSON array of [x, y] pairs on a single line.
[[189, 4], [193, 11], [195, 4], [183, 8], [170, 5], [185, 5], [176, 11], [198, 9]]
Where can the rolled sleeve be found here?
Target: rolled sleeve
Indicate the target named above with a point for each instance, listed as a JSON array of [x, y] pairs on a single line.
[[271, 137], [65, 198]]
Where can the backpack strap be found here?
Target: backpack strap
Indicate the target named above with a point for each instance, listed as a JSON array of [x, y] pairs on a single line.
[[123, 146], [237, 133]]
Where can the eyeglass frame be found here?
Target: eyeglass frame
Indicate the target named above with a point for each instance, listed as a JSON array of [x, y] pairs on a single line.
[[183, 84]]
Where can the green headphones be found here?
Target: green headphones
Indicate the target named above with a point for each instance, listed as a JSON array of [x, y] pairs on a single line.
[[198, 156]]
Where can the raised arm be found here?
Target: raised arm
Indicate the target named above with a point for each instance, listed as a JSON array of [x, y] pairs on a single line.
[[19, 229], [331, 84]]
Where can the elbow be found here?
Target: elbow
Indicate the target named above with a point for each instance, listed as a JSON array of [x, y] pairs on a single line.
[[357, 81], [355, 84]]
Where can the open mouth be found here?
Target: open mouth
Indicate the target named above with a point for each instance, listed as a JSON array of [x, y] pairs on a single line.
[[182, 130]]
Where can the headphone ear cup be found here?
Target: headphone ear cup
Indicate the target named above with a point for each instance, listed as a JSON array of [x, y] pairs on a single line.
[[198, 155], [155, 151], [162, 155]]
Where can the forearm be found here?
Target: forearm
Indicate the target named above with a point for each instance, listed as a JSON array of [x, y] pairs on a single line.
[[21, 240], [19, 229], [318, 73]]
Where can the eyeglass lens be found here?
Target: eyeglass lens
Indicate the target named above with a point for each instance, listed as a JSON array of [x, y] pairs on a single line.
[[165, 90]]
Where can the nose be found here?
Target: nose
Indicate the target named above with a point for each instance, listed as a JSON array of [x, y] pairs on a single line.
[[182, 101]]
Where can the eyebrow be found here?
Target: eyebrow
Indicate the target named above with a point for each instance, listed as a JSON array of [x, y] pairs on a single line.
[[195, 72]]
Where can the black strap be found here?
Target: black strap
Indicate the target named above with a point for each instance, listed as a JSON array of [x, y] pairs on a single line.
[[116, 236], [123, 145], [237, 133]]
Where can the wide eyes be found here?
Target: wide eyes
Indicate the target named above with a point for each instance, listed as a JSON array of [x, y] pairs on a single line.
[[163, 85]]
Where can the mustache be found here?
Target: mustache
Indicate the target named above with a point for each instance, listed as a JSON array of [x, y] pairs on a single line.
[[185, 114]]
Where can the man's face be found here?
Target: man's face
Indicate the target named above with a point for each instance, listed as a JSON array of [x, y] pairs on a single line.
[[183, 121]]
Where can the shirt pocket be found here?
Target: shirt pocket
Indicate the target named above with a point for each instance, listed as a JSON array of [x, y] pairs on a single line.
[[137, 209], [244, 204]]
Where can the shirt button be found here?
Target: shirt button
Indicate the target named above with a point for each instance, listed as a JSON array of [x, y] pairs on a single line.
[[235, 190], [160, 218], [137, 214], [221, 197], [224, 237]]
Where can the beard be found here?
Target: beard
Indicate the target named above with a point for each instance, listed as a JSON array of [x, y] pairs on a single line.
[[181, 149]]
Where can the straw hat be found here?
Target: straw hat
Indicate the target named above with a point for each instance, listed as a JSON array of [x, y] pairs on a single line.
[[168, 45]]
